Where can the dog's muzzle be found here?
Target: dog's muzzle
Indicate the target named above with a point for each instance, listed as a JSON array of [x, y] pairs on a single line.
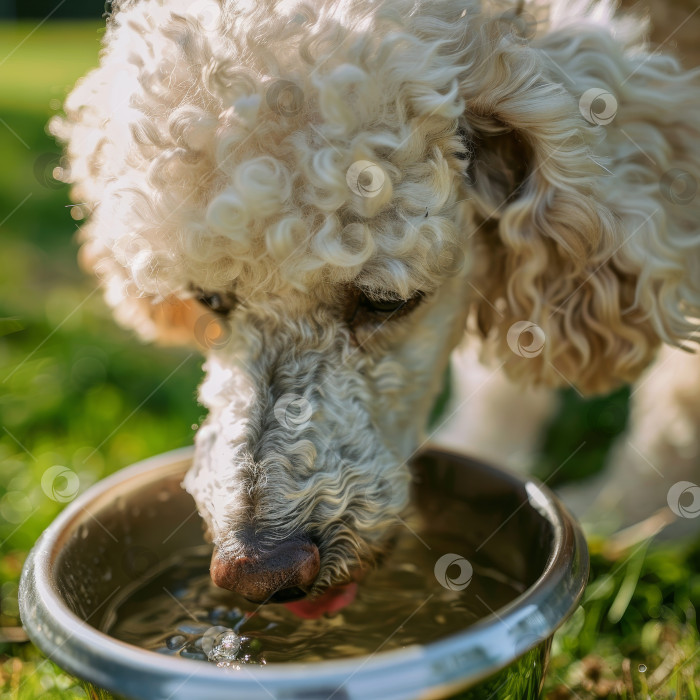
[[280, 574]]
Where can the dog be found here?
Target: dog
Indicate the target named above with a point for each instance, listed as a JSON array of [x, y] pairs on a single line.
[[327, 197]]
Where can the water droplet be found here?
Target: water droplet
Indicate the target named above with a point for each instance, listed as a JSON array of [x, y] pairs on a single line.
[[226, 647], [177, 641], [642, 668]]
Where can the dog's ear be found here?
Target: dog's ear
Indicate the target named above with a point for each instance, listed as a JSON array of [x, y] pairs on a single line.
[[172, 321], [169, 320], [556, 297]]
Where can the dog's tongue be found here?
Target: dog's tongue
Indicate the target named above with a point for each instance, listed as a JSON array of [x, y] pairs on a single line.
[[331, 601]]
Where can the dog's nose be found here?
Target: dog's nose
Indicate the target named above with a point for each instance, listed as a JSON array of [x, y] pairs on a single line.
[[278, 575]]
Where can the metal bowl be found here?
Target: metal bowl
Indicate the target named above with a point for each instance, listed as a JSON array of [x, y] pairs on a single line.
[[130, 522]]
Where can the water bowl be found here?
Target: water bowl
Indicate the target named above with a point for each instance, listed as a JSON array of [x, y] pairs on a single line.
[[108, 542]]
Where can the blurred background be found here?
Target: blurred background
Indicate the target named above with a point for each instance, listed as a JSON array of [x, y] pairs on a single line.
[[19, 9], [75, 390], [79, 393]]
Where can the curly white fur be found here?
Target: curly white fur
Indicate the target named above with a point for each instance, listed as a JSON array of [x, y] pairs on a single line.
[[216, 145]]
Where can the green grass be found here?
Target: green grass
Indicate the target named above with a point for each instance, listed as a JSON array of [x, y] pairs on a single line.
[[76, 391], [68, 375], [635, 635]]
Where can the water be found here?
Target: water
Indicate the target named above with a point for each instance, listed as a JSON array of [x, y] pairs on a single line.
[[179, 612]]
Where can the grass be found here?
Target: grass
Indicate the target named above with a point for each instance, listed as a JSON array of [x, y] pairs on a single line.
[[635, 635], [73, 392], [68, 375]]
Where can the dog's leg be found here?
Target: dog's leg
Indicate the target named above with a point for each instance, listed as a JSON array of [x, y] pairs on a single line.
[[660, 448], [490, 417]]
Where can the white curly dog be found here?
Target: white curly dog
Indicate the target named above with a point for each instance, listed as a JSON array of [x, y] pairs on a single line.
[[326, 194]]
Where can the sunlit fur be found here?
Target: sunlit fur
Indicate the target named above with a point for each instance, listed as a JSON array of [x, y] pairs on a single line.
[[500, 202]]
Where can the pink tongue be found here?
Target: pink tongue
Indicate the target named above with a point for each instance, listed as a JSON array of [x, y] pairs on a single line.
[[331, 601]]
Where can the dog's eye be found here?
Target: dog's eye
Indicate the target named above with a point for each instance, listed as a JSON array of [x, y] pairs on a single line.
[[372, 310], [383, 306], [219, 303]]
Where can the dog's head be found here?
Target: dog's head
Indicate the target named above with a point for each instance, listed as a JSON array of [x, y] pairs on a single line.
[[318, 195]]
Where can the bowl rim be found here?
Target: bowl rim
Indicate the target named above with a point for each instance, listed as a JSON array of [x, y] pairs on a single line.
[[465, 657]]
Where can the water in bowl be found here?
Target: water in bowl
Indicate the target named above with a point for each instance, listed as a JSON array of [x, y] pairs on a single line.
[[179, 612]]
